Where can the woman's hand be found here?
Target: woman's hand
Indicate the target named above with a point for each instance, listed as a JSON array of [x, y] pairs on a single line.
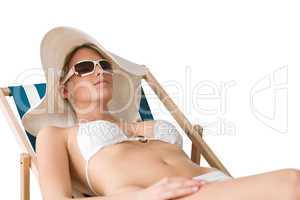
[[170, 188]]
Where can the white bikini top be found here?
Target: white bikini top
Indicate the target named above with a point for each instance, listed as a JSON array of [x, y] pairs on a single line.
[[95, 135]]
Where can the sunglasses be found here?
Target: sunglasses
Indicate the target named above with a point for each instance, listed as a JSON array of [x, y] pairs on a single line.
[[87, 67]]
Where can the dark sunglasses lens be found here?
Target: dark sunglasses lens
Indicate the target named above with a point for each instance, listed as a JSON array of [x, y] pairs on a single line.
[[84, 67], [106, 66]]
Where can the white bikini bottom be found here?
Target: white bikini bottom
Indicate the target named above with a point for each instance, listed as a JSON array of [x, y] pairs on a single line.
[[212, 176]]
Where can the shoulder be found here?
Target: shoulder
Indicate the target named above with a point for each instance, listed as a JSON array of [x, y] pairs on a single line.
[[52, 133], [51, 130]]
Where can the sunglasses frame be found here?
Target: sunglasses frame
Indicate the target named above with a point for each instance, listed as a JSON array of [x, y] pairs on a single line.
[[72, 71]]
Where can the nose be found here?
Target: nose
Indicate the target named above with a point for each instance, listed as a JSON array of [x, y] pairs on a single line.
[[98, 70]]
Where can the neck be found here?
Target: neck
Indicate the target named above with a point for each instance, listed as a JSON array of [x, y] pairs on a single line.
[[94, 111]]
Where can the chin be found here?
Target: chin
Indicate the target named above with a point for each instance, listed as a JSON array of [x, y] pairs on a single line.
[[103, 96], [100, 94]]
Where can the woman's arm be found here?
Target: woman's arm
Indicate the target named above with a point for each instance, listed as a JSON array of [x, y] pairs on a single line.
[[53, 167]]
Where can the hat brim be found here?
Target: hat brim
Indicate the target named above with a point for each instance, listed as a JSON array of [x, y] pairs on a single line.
[[53, 110]]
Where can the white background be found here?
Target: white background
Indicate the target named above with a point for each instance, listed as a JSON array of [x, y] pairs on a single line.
[[253, 45]]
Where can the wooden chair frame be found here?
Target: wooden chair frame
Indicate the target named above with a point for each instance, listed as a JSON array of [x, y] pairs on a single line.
[[194, 132]]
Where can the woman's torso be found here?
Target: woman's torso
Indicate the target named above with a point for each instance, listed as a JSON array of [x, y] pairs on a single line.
[[130, 164]]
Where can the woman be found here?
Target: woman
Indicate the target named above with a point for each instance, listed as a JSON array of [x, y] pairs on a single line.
[[96, 151]]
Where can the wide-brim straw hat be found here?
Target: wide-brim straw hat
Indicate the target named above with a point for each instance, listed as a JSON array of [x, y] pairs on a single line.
[[53, 110]]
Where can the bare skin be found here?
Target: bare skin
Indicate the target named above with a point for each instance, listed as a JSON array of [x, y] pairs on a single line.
[[135, 170]]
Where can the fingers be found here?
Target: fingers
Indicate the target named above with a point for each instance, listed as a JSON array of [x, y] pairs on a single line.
[[172, 187], [179, 192], [180, 181], [177, 184]]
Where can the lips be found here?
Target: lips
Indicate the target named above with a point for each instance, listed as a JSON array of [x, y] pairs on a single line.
[[98, 82]]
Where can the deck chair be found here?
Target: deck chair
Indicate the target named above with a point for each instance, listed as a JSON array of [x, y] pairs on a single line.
[[25, 96]]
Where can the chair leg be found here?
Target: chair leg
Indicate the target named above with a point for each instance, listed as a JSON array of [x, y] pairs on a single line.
[[196, 151], [25, 176]]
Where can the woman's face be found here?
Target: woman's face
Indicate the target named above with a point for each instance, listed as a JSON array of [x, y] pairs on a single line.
[[87, 89]]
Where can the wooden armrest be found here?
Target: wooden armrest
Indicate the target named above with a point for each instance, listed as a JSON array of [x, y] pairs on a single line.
[[196, 152], [25, 163]]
